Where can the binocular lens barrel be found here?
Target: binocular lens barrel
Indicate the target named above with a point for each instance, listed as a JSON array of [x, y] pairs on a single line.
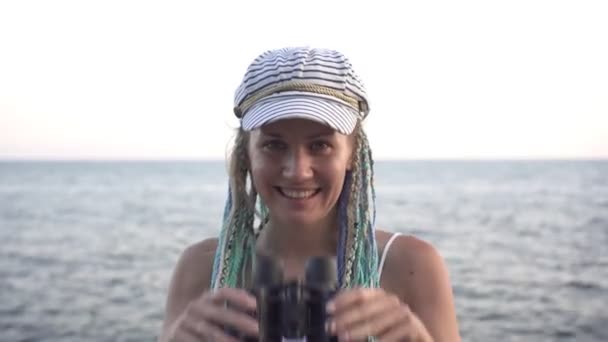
[[293, 311]]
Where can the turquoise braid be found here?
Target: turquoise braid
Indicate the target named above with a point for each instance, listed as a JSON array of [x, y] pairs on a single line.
[[360, 250], [216, 261], [237, 238]]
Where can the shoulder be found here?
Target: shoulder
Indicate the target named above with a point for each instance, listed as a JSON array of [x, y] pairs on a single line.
[[413, 264], [416, 253], [417, 273], [201, 249], [191, 277], [195, 264], [407, 249]]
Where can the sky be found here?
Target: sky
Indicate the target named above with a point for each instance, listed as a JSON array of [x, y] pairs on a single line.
[[446, 79]]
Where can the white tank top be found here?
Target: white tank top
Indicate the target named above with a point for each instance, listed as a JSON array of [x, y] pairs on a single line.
[[385, 253]]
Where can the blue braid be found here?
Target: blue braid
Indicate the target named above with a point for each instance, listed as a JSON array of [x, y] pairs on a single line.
[[343, 226], [223, 232]]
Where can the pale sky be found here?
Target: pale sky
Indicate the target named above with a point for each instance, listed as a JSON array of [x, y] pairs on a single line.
[[450, 79]]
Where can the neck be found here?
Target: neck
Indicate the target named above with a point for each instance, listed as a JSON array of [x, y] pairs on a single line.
[[289, 241]]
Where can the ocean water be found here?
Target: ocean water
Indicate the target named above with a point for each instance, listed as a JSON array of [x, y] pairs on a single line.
[[87, 248]]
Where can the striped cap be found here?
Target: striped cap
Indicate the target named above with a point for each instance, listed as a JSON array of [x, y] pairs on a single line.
[[302, 82]]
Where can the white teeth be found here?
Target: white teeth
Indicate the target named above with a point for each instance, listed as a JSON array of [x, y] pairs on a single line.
[[298, 194]]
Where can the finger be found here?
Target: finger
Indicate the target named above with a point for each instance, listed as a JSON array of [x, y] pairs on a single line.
[[211, 307], [226, 316], [237, 297], [393, 318], [183, 336], [412, 330], [344, 300], [206, 330], [404, 332], [371, 319], [191, 336], [362, 314]]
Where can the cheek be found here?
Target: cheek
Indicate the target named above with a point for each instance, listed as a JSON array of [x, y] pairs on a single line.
[[260, 171], [335, 171], [258, 164], [255, 160], [346, 160]]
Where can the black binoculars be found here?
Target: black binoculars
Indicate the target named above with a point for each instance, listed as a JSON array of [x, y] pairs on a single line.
[[294, 310]]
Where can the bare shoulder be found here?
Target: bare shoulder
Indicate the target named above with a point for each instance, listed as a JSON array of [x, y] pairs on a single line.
[[416, 272], [409, 259], [191, 277], [200, 249], [417, 255], [193, 270]]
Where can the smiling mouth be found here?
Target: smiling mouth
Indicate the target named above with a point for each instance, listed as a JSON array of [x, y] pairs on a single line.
[[298, 194]]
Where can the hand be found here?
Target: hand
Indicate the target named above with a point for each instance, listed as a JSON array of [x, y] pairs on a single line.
[[362, 312], [205, 317]]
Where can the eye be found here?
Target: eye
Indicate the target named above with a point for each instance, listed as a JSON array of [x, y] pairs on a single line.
[[320, 146], [274, 145]]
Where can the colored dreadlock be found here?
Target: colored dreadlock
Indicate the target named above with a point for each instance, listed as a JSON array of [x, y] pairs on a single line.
[[357, 253]]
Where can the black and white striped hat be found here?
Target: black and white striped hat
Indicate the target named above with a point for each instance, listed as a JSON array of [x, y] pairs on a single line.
[[302, 82]]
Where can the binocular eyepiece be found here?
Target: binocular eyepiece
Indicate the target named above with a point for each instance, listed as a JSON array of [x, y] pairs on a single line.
[[294, 310]]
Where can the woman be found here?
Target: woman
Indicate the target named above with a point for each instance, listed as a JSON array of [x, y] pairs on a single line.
[[301, 184]]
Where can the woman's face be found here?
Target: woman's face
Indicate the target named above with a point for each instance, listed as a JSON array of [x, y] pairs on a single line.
[[298, 168]]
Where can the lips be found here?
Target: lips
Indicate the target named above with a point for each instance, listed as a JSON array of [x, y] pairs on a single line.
[[298, 194]]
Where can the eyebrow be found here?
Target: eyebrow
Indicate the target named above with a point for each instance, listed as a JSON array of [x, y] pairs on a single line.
[[313, 136]]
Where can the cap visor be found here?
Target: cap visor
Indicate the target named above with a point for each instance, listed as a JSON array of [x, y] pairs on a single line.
[[334, 114]]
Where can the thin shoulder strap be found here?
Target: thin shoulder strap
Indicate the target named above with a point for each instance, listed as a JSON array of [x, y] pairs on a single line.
[[385, 253]]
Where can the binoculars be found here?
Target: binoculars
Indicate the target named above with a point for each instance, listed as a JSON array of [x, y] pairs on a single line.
[[293, 310]]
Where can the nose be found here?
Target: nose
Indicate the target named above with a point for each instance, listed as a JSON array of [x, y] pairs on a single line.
[[297, 166]]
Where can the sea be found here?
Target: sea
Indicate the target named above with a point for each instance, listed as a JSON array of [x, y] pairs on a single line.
[[87, 248]]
